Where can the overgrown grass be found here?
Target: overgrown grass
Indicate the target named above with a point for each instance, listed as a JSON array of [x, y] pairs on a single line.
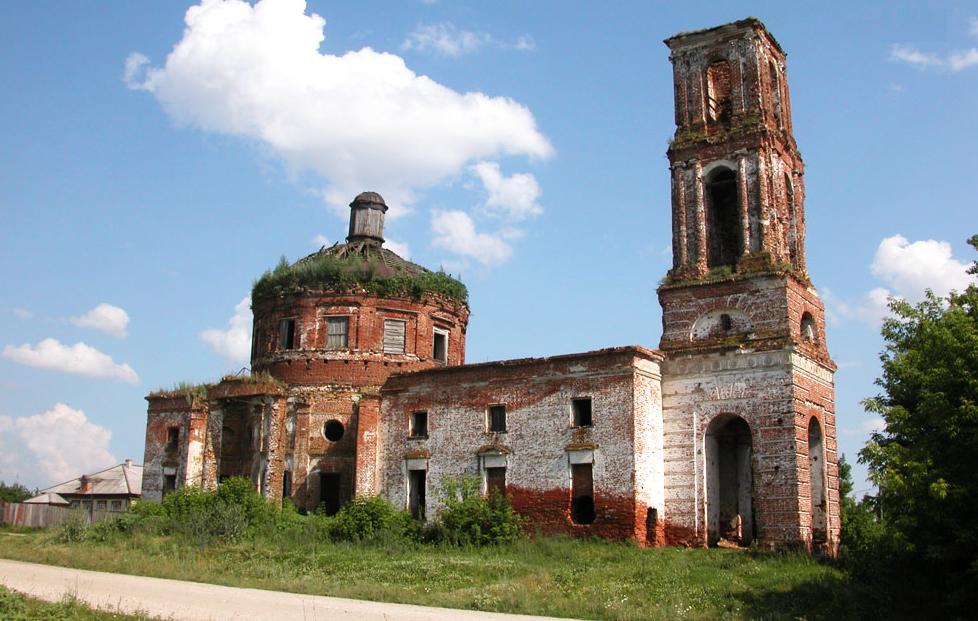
[[17, 607], [473, 556], [351, 273], [546, 576]]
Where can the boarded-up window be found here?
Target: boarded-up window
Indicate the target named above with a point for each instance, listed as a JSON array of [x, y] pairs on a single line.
[[440, 345], [418, 425], [337, 332], [287, 333], [495, 482], [394, 336], [497, 418], [581, 410], [582, 494], [116, 505], [416, 495]]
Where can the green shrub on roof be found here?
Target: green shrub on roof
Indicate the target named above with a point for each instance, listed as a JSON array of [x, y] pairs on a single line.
[[327, 271]]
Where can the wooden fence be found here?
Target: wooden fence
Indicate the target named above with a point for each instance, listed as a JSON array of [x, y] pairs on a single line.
[[46, 516]]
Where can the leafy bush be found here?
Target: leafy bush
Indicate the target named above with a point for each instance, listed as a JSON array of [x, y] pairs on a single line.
[[469, 518], [370, 519], [240, 491], [74, 527]]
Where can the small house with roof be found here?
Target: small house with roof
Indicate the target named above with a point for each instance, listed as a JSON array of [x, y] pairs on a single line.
[[112, 489]]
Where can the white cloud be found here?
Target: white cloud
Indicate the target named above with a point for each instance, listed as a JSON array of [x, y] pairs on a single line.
[[957, 60], [23, 313], [962, 59], [444, 39], [455, 231], [320, 240], [870, 309], [59, 444], [106, 318], [360, 120], [401, 249], [867, 426], [514, 197], [234, 343], [913, 56], [910, 268], [135, 68], [80, 359], [447, 39], [524, 43]]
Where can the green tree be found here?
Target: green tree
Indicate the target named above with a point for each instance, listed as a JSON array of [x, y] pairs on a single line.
[[861, 530], [925, 460], [14, 492]]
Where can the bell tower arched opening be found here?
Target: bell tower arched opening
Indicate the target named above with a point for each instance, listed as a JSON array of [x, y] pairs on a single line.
[[729, 481], [724, 243]]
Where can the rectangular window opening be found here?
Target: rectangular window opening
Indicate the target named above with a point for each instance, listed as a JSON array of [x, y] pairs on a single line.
[[416, 495], [337, 332], [418, 425], [172, 438], [286, 333], [286, 484], [329, 492], [496, 481], [440, 346], [169, 483], [582, 494], [394, 330], [581, 410], [497, 418]]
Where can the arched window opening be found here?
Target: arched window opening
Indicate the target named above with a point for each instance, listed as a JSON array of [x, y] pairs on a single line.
[[816, 469], [808, 330], [729, 482], [723, 218], [775, 93], [719, 103]]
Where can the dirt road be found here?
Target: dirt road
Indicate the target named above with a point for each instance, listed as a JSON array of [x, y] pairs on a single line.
[[193, 601]]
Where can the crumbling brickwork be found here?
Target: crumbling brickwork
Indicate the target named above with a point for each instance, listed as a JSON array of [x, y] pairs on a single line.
[[540, 443], [748, 402], [725, 436]]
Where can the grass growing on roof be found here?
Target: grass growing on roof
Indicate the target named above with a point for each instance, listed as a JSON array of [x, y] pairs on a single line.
[[354, 273]]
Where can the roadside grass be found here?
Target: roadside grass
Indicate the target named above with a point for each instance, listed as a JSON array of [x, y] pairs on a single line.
[[556, 576], [15, 606]]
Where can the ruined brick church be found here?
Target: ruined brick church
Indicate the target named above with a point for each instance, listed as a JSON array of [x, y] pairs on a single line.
[[724, 434]]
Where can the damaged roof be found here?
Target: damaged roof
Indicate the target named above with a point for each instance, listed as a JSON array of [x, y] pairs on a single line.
[[125, 479]]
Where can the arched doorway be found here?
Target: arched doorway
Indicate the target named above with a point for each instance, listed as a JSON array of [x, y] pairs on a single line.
[[816, 470], [729, 481]]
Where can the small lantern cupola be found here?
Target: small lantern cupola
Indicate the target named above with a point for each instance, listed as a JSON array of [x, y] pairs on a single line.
[[367, 218]]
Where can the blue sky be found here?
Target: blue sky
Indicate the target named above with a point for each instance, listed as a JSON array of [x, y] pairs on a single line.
[[521, 145]]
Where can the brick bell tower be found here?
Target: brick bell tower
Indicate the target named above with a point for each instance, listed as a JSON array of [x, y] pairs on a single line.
[[748, 394]]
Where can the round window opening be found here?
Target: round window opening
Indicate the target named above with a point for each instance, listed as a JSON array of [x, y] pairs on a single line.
[[333, 430]]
